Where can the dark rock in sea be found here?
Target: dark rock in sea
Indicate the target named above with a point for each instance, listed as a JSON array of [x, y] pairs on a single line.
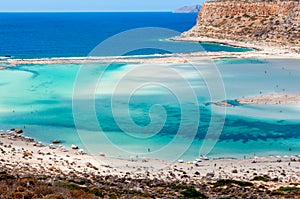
[[18, 131], [56, 141]]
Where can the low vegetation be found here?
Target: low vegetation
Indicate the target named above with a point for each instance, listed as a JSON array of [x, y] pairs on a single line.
[[227, 182], [14, 186], [193, 193], [261, 178]]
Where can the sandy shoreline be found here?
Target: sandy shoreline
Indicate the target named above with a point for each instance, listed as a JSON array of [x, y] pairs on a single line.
[[261, 50], [28, 156], [169, 59], [271, 99]]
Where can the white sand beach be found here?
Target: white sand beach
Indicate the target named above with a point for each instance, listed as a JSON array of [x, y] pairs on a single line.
[[271, 99], [26, 157], [260, 50]]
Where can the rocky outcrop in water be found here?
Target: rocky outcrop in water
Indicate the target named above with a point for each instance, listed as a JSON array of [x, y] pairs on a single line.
[[275, 22]]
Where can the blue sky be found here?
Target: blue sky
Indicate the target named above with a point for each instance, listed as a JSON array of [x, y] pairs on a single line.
[[93, 5]]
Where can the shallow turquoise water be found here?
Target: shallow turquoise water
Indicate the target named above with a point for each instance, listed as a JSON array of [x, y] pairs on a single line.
[[40, 98]]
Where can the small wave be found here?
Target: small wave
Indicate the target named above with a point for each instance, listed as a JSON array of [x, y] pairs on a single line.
[[157, 55]]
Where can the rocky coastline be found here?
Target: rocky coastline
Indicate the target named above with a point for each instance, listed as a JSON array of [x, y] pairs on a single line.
[[270, 23]]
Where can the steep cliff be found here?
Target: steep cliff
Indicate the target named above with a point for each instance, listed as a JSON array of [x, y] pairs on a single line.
[[276, 22]]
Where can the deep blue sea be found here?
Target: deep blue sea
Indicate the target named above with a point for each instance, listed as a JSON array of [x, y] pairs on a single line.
[[39, 35], [126, 109]]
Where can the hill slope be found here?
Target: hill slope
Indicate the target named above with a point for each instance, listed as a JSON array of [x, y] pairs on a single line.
[[275, 22]]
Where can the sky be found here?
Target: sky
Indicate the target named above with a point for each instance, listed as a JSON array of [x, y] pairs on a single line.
[[93, 5]]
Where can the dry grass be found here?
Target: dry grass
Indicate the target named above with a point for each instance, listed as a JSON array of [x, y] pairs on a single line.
[[27, 188]]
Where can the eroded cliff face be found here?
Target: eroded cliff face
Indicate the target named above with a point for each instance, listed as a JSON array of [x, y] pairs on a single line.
[[273, 22]]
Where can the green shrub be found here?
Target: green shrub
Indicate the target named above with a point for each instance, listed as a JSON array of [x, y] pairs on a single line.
[[261, 178], [179, 187], [224, 182], [193, 193], [288, 189]]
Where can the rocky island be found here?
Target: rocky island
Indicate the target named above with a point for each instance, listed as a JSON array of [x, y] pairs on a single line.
[[188, 9]]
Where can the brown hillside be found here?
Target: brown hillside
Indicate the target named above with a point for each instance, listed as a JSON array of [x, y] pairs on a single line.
[[276, 22]]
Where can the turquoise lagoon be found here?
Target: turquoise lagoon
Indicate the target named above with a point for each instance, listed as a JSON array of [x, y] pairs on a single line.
[[55, 102], [40, 99]]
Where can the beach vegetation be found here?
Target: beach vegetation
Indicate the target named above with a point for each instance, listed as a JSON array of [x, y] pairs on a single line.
[[262, 178], [226, 182], [78, 189], [80, 182], [179, 187], [27, 188], [193, 193], [188, 191], [288, 192], [6, 176], [289, 189]]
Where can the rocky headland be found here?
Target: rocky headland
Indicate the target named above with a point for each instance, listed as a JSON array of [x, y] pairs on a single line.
[[263, 23]]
